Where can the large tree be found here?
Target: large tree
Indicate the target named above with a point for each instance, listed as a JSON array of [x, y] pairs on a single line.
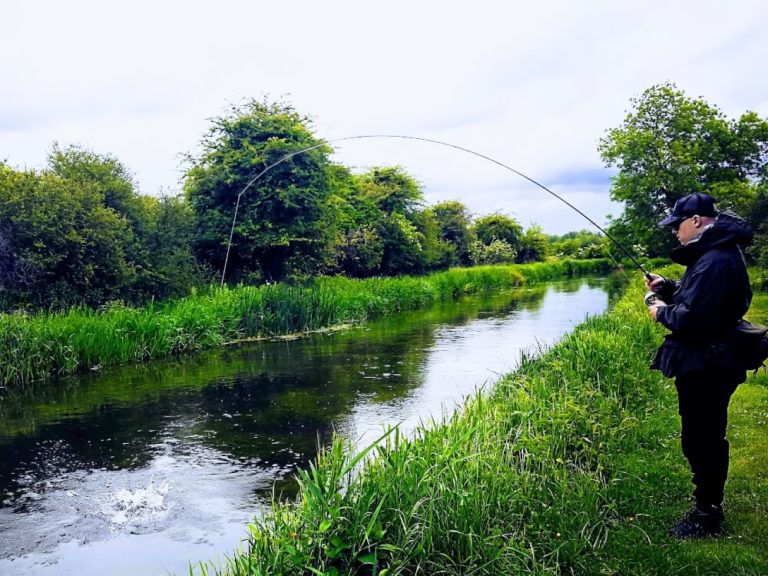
[[77, 232], [62, 245], [671, 145], [281, 223]]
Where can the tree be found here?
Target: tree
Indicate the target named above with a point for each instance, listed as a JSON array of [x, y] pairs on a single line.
[[498, 227], [104, 173], [281, 225], [66, 246], [453, 231], [671, 145], [392, 189], [79, 233], [533, 245], [168, 232], [437, 253], [358, 248], [759, 218], [390, 198]]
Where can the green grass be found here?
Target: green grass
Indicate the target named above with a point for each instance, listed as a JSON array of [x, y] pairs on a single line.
[[571, 465], [44, 345]]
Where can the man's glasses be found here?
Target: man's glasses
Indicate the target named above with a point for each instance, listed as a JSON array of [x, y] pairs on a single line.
[[676, 226]]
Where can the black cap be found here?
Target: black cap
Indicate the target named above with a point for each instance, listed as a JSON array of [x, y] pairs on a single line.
[[698, 204]]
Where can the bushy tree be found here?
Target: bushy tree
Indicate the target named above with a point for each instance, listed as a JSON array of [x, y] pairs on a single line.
[[79, 233], [66, 246], [498, 227], [395, 198], [454, 232], [391, 189], [167, 236], [281, 225], [102, 172], [671, 145], [534, 246], [438, 253]]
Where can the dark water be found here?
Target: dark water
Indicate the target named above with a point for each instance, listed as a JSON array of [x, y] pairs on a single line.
[[142, 470]]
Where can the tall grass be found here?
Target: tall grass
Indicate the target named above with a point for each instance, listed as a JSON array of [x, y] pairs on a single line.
[[43, 345], [568, 466]]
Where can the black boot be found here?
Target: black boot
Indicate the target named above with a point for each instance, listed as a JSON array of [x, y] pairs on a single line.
[[701, 521]]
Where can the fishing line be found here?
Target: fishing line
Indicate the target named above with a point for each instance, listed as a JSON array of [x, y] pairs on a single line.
[[432, 141]]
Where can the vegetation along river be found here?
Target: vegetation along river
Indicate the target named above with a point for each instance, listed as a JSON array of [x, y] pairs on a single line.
[[142, 470]]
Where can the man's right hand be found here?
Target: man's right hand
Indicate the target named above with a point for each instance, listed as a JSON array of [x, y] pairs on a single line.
[[655, 284]]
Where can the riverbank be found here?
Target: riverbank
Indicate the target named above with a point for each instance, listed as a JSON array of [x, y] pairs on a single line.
[[571, 465], [45, 345]]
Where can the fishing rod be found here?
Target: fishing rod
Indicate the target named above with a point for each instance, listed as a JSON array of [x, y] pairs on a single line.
[[432, 141]]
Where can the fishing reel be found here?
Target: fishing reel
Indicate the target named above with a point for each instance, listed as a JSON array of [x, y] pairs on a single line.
[[652, 298]]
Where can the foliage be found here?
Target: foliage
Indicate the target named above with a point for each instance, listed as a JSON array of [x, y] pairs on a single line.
[[281, 221], [360, 251], [454, 231], [534, 246], [499, 239], [404, 238], [391, 189], [62, 244], [671, 145], [169, 268], [79, 233], [581, 244], [499, 227], [497, 252], [759, 218]]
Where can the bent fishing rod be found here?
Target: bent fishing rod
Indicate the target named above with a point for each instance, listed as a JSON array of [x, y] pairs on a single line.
[[431, 141]]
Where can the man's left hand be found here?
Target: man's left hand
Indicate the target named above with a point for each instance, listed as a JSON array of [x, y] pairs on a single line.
[[653, 310]]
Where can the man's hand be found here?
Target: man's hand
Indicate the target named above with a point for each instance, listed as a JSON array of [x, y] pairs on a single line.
[[654, 309], [654, 285]]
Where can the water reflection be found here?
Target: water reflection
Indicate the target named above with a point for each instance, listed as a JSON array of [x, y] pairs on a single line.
[[176, 456]]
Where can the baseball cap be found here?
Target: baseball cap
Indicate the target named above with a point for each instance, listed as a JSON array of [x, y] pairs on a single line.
[[694, 204]]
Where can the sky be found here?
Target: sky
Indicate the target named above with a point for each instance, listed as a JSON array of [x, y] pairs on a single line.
[[531, 85]]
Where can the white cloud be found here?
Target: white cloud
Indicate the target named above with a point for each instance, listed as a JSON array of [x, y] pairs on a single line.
[[534, 87]]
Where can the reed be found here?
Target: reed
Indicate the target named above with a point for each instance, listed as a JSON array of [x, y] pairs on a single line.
[[45, 345], [570, 465]]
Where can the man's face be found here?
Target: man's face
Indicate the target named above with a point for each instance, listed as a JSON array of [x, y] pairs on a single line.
[[687, 229]]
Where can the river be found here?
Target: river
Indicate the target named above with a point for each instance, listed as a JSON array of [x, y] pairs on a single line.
[[146, 469]]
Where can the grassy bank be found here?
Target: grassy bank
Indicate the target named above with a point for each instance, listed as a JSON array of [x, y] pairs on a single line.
[[571, 465], [39, 346]]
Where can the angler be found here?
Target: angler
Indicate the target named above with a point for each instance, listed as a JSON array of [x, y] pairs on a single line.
[[702, 351]]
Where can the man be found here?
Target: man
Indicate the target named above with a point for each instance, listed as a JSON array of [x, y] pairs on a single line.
[[701, 312]]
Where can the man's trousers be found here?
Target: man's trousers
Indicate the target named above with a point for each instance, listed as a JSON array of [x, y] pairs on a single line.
[[703, 398]]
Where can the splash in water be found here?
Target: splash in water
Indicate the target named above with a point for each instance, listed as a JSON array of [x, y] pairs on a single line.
[[136, 507]]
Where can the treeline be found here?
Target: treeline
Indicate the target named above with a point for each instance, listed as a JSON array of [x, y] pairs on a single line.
[[79, 232]]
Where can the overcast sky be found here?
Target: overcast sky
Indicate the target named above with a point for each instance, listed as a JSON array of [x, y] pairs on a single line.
[[533, 85]]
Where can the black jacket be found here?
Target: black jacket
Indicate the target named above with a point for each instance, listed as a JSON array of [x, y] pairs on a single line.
[[705, 306]]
